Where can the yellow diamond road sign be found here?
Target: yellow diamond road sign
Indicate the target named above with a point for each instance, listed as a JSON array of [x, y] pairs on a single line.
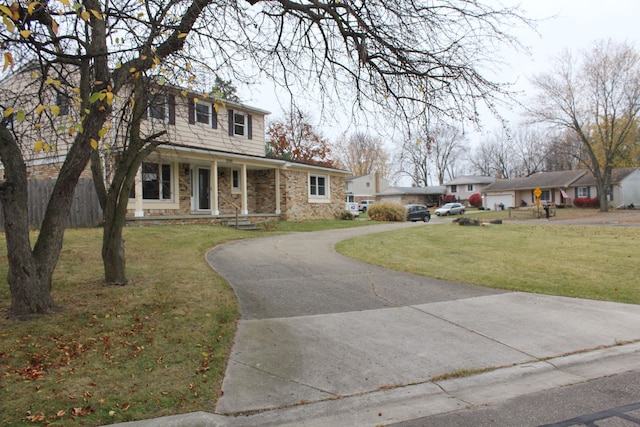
[[537, 192]]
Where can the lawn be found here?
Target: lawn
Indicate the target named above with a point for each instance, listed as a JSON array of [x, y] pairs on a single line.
[[157, 346], [595, 262], [160, 345]]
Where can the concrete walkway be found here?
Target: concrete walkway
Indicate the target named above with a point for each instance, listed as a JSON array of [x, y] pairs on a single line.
[[326, 340]]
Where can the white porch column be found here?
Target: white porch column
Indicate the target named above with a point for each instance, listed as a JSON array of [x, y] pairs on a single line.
[[277, 184], [139, 211], [215, 208], [245, 210]]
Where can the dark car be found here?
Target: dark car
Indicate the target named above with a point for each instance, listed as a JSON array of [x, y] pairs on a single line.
[[418, 213]]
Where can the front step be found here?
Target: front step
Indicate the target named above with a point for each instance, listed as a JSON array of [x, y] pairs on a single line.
[[242, 224]]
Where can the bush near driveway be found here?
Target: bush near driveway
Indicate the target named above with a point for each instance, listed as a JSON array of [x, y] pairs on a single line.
[[387, 211]]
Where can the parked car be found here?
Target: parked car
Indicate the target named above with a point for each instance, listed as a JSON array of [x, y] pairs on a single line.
[[364, 204], [418, 213], [450, 209]]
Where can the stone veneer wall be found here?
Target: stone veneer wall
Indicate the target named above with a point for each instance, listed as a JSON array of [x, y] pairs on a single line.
[[295, 204]]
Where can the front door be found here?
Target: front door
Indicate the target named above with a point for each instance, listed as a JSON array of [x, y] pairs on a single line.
[[204, 190]]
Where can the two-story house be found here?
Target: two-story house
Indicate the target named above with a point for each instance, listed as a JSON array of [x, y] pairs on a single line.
[[211, 166], [463, 187]]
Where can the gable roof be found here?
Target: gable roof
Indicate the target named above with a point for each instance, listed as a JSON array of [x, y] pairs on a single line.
[[560, 179], [464, 180], [617, 175]]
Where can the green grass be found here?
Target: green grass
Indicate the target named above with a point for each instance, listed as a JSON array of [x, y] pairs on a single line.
[[594, 262], [159, 345]]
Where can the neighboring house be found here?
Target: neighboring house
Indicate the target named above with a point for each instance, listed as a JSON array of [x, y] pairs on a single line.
[[211, 166], [365, 186], [464, 186], [561, 188], [430, 196], [624, 190]]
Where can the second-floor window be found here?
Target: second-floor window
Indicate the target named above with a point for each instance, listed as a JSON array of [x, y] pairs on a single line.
[[158, 108], [240, 124], [161, 107], [63, 102], [202, 113]]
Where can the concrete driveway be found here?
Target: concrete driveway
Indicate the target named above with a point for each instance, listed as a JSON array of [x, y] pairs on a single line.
[[326, 340]]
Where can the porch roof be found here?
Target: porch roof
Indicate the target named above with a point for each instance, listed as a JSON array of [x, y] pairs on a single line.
[[398, 191], [256, 161]]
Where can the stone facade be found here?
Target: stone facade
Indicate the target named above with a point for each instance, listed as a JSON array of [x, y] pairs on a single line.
[[296, 205]]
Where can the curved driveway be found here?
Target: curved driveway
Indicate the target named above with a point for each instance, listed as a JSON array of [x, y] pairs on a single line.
[[301, 274], [319, 327]]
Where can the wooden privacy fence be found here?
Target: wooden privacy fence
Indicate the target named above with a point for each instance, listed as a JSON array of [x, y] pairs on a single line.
[[85, 210]]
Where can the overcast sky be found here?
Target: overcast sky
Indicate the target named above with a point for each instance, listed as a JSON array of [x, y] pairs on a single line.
[[566, 24]]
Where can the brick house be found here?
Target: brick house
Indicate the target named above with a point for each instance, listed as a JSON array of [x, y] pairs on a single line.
[[211, 166]]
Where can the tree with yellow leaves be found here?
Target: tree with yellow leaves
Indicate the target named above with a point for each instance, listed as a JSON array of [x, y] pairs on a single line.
[[597, 99]]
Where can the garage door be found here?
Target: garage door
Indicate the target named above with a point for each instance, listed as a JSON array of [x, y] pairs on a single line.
[[492, 201]]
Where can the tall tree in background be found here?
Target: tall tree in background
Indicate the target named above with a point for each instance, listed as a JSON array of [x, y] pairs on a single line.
[[597, 98], [414, 160], [363, 154], [563, 151], [295, 138], [448, 144], [404, 57]]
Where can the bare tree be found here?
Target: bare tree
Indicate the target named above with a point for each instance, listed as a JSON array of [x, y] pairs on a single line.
[[564, 152], [413, 160], [448, 144], [363, 154], [530, 145], [496, 155], [405, 57], [597, 98]]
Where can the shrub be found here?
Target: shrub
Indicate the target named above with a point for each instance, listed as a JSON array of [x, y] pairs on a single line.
[[387, 211], [449, 198], [586, 202], [347, 215], [475, 200]]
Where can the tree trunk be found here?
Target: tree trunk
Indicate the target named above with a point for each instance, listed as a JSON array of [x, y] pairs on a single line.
[[30, 284], [113, 252]]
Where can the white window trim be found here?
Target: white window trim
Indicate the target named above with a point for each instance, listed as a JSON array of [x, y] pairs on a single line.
[[166, 109], [586, 192], [245, 126], [238, 189], [195, 113], [313, 198]]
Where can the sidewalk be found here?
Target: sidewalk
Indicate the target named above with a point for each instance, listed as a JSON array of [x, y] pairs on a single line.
[[326, 340]]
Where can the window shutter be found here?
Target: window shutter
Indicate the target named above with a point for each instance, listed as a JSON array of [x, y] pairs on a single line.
[[611, 192], [192, 111], [214, 117], [171, 101], [230, 113], [589, 192], [576, 192], [249, 126]]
